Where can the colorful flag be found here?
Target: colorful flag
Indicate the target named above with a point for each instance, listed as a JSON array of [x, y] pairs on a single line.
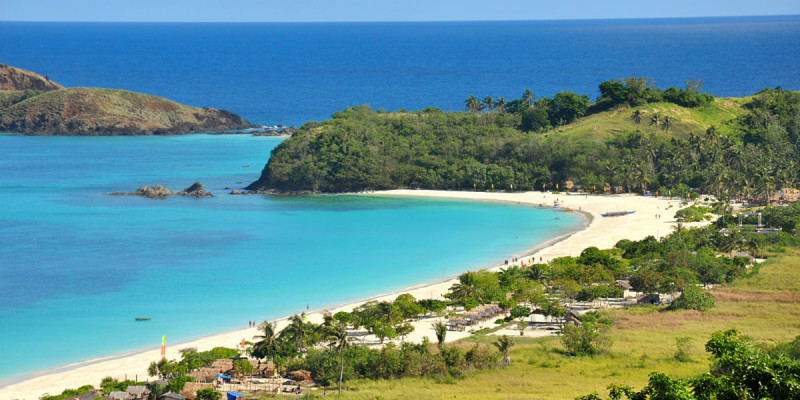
[[163, 346]]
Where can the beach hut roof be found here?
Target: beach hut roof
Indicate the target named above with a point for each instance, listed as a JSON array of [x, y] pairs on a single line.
[[117, 395], [90, 395], [190, 388], [623, 284], [172, 396], [222, 365], [138, 391], [223, 376], [301, 375]]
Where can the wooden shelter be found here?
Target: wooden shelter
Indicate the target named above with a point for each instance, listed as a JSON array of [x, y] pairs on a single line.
[[138, 392], [301, 375], [222, 365], [572, 319], [190, 388], [266, 370]]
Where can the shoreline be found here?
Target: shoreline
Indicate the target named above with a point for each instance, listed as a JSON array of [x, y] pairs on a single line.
[[134, 363]]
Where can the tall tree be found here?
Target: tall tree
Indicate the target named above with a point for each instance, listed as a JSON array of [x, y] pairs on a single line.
[[336, 331], [473, 105], [655, 121], [268, 342], [666, 124], [636, 117], [488, 103]]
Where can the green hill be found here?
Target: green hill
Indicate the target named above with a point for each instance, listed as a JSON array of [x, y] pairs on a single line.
[[721, 113], [740, 146]]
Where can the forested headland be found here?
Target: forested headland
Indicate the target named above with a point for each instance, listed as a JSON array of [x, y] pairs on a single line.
[[634, 136]]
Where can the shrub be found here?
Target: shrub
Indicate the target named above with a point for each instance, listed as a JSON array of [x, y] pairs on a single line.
[[693, 298], [583, 340]]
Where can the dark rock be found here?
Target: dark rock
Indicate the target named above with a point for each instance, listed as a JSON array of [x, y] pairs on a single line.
[[161, 192], [154, 192], [196, 190]]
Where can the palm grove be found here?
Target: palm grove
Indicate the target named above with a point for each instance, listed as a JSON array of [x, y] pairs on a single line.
[[514, 145]]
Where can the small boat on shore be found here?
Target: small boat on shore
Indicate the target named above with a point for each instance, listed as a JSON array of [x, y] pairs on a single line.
[[143, 318], [617, 213]]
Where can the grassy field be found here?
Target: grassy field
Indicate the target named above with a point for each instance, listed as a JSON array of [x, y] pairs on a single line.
[[600, 126], [765, 307]]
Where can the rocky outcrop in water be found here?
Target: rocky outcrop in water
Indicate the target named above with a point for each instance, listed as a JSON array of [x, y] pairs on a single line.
[[196, 190], [161, 192]]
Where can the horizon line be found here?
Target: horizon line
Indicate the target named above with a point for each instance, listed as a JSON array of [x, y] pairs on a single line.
[[408, 21]]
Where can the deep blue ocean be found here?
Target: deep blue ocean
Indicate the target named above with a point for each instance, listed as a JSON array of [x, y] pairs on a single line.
[[283, 73], [76, 265]]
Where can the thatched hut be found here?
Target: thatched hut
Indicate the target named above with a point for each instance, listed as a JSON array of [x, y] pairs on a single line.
[[300, 375], [138, 392], [222, 365], [204, 375], [172, 396], [117, 395], [266, 370], [190, 388]]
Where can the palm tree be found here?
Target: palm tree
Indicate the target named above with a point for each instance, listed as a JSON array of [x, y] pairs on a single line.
[[666, 124], [488, 103], [473, 105], [655, 120], [440, 328], [712, 135], [268, 342], [465, 288], [504, 345], [336, 332], [500, 103], [636, 117], [527, 98], [298, 331]]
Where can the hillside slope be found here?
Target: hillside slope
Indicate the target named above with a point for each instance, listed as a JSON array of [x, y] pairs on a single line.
[[740, 146], [91, 111], [12, 78]]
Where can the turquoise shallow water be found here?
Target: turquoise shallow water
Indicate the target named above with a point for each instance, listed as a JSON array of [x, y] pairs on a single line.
[[77, 265]]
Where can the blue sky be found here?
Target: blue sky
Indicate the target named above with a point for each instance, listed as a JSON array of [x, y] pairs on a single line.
[[379, 10]]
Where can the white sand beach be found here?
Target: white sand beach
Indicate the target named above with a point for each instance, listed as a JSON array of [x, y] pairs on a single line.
[[602, 232]]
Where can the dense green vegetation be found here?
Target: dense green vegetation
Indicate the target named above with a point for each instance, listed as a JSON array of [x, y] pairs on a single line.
[[740, 371], [742, 147]]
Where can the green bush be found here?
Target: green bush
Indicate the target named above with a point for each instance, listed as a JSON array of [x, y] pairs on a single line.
[[693, 298]]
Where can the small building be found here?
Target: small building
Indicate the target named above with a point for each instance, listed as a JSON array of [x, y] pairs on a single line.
[[118, 395], [90, 395], [266, 370], [204, 375], [190, 388], [172, 396], [623, 284], [138, 392], [572, 319], [222, 365], [300, 375]]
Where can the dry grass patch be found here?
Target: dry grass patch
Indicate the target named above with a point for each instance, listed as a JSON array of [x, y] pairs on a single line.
[[665, 321], [737, 295]]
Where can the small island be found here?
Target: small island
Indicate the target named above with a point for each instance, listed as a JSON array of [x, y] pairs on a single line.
[[32, 104]]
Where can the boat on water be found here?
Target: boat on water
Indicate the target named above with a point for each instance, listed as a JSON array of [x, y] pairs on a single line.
[[143, 318], [569, 210], [617, 213]]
